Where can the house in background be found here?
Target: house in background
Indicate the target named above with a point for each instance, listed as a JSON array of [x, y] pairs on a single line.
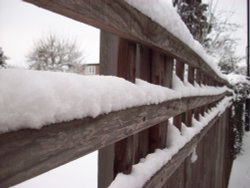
[[92, 69]]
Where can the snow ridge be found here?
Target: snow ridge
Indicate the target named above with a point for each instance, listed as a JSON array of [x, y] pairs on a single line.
[[163, 12], [32, 99]]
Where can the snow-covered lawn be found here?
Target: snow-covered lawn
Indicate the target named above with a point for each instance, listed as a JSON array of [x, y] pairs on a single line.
[[240, 176]]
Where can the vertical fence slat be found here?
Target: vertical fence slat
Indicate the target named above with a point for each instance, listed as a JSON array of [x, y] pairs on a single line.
[[179, 69], [157, 133], [125, 149], [189, 113], [169, 64], [108, 66], [143, 66], [117, 57]]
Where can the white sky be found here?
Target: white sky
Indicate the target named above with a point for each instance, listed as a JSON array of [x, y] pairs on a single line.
[[239, 7], [22, 24]]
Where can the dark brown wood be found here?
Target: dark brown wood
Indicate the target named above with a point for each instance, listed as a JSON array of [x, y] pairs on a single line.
[[198, 76], [125, 21], [162, 176], [177, 121], [169, 64], [109, 45], [158, 133], [143, 63], [124, 155], [118, 58], [188, 118], [105, 166], [109, 48], [60, 143], [143, 71], [124, 150], [143, 148], [191, 74], [198, 81], [126, 59], [157, 68], [179, 69], [189, 114]]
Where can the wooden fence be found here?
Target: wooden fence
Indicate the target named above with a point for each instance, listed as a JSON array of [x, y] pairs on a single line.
[[132, 45]]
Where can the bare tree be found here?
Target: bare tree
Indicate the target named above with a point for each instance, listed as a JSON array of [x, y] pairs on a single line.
[[221, 42], [53, 54], [214, 30], [3, 59]]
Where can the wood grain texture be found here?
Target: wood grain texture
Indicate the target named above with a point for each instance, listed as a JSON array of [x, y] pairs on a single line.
[[143, 71], [105, 166], [212, 167], [179, 70], [177, 167], [108, 57], [120, 18], [28, 153], [109, 50], [169, 64], [118, 57], [189, 114], [125, 149], [158, 133]]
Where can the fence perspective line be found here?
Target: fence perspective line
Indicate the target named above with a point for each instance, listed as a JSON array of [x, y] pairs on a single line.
[[182, 143]]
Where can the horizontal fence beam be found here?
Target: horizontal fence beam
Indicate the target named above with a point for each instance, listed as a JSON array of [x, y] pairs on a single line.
[[119, 18], [27, 153], [160, 178]]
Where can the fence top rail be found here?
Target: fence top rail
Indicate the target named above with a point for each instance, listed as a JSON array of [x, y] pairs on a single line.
[[122, 19], [60, 143]]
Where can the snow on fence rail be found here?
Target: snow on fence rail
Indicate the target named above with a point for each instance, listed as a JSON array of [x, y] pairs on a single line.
[[132, 45]]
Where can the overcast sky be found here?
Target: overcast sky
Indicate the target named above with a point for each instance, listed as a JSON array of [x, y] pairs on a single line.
[[22, 23]]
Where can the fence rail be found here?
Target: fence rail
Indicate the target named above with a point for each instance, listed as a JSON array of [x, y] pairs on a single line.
[[132, 45]]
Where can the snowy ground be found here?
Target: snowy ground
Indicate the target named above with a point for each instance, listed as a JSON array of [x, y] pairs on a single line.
[[240, 176], [76, 174]]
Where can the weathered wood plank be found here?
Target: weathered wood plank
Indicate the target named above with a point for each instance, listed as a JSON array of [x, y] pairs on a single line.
[[118, 57], [109, 50], [179, 70], [105, 166], [169, 64], [189, 114], [157, 134], [143, 71], [160, 178], [27, 153], [143, 63], [191, 75], [120, 18], [125, 149], [198, 81]]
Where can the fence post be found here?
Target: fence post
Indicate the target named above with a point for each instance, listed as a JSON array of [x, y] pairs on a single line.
[[117, 57], [108, 66]]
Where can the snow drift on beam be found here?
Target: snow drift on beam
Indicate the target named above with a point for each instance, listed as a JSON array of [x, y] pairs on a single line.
[[32, 99]]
